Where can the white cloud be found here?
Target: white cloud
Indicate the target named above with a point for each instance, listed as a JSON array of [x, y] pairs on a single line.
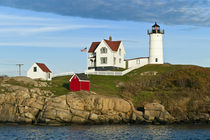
[[40, 44], [24, 25], [17, 17], [25, 30]]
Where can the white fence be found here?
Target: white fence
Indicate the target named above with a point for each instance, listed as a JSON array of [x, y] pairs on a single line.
[[62, 74], [111, 73], [108, 73], [114, 73]]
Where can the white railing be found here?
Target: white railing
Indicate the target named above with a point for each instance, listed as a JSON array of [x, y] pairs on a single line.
[[114, 73], [132, 68], [111, 73], [62, 74], [108, 73]]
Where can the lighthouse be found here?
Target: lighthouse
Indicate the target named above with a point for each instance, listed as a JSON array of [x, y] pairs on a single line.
[[156, 45]]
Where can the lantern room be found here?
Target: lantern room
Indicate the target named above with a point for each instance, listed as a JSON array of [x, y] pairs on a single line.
[[155, 26], [155, 29]]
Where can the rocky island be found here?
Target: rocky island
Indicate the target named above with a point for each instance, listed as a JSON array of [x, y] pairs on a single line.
[[161, 94]]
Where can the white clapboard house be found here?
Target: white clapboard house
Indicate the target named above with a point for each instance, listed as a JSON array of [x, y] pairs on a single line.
[[39, 71], [106, 55]]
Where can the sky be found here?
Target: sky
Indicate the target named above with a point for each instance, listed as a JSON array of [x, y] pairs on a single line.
[[54, 31]]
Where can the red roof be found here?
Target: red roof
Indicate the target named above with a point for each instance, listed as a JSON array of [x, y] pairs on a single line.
[[93, 46], [114, 45], [43, 67]]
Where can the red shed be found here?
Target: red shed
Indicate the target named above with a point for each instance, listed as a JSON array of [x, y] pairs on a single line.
[[79, 82]]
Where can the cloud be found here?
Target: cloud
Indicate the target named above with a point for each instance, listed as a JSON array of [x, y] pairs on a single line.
[[40, 44], [24, 30], [24, 25], [16, 17], [181, 12]]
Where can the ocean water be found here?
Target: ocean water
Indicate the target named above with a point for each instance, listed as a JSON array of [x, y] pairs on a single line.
[[106, 132]]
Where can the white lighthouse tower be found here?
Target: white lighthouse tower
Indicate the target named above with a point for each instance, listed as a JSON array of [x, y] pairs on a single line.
[[156, 45]]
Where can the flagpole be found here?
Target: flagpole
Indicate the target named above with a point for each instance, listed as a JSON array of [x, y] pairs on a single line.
[[87, 60], [86, 51]]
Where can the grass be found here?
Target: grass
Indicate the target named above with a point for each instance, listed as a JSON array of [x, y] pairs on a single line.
[[115, 85], [158, 68], [60, 85], [18, 83], [143, 96], [106, 85]]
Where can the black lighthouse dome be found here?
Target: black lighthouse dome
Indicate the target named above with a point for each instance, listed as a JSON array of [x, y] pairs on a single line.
[[156, 29], [155, 25]]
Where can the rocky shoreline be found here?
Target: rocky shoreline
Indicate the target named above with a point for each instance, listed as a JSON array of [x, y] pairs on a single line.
[[35, 106]]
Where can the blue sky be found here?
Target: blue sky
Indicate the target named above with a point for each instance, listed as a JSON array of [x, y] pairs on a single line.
[[54, 32]]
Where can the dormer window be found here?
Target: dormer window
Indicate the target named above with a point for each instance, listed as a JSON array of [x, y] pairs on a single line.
[[103, 50]]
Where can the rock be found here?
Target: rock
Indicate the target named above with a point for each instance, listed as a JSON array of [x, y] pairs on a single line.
[[94, 117], [83, 114], [29, 115], [122, 105], [87, 108], [63, 115], [149, 73], [156, 112], [8, 113], [137, 116], [24, 105], [49, 114], [78, 120], [75, 102]]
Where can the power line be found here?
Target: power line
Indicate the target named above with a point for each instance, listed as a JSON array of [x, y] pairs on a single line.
[[6, 64]]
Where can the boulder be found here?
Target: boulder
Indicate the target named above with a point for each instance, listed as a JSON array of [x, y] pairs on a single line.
[[156, 112]]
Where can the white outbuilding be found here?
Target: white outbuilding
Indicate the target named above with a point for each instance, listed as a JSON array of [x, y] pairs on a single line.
[[39, 71], [140, 61]]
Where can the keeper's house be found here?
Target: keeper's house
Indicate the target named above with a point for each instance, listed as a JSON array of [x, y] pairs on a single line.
[[39, 71], [79, 82], [106, 55]]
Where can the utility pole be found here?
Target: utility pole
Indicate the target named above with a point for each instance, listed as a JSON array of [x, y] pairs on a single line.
[[19, 68]]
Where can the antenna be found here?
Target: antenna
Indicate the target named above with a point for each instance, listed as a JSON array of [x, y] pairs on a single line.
[[20, 65]]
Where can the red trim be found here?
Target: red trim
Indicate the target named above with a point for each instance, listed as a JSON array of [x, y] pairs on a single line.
[[43, 67]]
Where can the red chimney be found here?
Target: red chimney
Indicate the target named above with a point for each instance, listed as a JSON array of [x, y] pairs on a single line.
[[110, 38]]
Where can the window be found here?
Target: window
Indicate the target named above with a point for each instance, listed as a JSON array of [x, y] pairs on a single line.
[[103, 60], [119, 51], [114, 60], [35, 69], [156, 60], [48, 75], [120, 60], [138, 61], [103, 50]]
